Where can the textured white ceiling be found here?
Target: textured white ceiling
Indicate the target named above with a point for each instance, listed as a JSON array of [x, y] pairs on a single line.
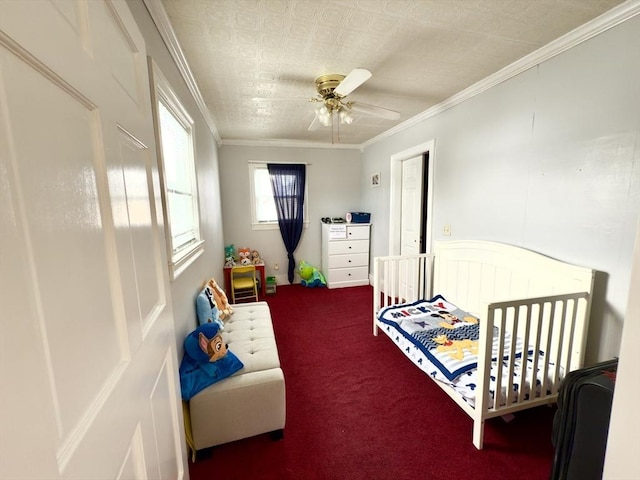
[[255, 61]]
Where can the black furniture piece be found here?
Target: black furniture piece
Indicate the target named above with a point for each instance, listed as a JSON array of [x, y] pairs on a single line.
[[581, 424]]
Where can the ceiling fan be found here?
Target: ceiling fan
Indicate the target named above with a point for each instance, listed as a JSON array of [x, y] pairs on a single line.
[[332, 90]]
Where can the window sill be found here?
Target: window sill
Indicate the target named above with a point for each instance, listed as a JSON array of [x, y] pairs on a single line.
[[180, 262]]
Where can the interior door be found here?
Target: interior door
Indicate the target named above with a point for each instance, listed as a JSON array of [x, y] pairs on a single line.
[[411, 206], [411, 224], [89, 383]]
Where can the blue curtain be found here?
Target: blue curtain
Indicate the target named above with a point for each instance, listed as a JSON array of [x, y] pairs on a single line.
[[287, 182]]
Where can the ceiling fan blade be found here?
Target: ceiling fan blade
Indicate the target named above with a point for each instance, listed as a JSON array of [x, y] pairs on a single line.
[[375, 111], [352, 81], [315, 124]]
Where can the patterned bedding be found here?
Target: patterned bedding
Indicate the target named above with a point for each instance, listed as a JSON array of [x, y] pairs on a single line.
[[442, 340]]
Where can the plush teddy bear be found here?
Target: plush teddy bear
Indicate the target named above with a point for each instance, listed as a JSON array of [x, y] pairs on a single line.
[[310, 275], [245, 256], [255, 257]]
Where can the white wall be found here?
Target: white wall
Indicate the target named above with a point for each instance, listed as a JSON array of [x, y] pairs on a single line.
[[333, 183], [548, 160], [185, 288]]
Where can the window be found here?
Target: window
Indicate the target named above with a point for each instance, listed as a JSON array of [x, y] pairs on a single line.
[[178, 177], [263, 207]]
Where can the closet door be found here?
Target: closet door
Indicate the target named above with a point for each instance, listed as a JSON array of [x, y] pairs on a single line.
[[89, 384]]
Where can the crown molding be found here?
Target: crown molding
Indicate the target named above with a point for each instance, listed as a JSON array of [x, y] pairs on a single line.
[[600, 24], [168, 35], [290, 143]]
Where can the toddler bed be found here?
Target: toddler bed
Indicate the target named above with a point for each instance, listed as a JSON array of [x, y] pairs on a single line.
[[496, 326]]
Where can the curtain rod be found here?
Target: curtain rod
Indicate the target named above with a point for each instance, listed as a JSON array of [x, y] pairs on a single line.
[[264, 163]]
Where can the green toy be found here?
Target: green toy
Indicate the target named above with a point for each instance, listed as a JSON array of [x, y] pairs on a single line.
[[311, 276]]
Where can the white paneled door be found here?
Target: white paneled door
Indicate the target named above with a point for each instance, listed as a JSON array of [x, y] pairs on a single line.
[[89, 383], [411, 206], [411, 221]]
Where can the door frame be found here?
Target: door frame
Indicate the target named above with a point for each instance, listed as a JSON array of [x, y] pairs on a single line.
[[396, 194]]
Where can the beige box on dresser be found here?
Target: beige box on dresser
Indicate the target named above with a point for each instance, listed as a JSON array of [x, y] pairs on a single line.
[[345, 254]]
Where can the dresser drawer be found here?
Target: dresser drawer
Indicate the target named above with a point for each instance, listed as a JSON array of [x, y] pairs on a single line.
[[349, 260], [358, 233], [348, 246], [355, 274]]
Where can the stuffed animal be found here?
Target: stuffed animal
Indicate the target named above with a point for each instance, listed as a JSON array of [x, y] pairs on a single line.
[[245, 256], [255, 257], [311, 276], [206, 360], [214, 347], [220, 298], [229, 256]]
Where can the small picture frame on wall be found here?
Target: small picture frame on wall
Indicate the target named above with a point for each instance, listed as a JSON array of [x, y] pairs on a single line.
[[375, 179]]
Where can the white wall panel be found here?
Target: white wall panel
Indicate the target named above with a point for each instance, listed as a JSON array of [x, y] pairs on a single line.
[[165, 423], [64, 222], [137, 182], [133, 465]]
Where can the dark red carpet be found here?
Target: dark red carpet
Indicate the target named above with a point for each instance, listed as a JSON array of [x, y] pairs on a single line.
[[358, 409]]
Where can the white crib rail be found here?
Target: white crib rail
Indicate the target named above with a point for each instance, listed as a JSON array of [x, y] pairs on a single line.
[[400, 279], [547, 324]]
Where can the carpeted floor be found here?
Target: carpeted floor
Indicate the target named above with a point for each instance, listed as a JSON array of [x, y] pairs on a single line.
[[358, 409]]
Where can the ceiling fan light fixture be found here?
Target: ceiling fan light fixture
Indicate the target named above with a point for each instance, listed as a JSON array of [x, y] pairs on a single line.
[[345, 116], [324, 116]]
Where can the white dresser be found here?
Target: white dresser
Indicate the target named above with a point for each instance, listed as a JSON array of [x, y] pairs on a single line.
[[345, 254]]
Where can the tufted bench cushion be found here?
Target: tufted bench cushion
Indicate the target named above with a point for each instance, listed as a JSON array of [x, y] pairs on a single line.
[[249, 334], [252, 401]]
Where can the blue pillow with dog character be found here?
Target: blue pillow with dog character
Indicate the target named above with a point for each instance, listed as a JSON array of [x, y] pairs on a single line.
[[206, 360], [206, 308]]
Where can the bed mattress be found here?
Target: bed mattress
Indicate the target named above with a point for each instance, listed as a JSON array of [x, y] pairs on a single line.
[[409, 328]]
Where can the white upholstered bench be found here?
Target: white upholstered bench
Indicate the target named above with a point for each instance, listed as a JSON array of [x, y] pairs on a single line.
[[252, 401]]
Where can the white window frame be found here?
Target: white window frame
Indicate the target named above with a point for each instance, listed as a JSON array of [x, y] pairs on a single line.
[[179, 258], [273, 225]]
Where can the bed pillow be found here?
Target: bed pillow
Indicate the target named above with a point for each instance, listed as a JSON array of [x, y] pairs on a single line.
[[206, 308], [220, 299]]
